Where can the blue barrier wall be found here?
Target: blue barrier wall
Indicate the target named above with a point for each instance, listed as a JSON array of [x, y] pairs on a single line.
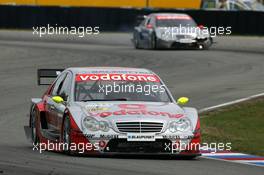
[[118, 19]]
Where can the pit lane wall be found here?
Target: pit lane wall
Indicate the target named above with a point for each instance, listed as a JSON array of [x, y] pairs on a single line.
[[193, 4], [121, 19]]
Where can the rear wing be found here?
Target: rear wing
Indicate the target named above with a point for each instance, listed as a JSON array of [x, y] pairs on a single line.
[[48, 74]]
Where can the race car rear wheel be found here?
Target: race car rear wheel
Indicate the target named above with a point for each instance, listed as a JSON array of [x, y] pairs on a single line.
[[33, 124], [66, 135]]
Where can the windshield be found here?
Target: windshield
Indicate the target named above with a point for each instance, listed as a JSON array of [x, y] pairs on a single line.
[[99, 89], [175, 22]]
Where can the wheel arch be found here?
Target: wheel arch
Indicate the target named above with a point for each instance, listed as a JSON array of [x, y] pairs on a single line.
[[73, 124], [38, 107], [192, 114]]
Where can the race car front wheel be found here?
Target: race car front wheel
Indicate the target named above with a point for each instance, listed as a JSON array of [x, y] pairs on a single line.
[[136, 42], [205, 45], [190, 157], [66, 135], [153, 42]]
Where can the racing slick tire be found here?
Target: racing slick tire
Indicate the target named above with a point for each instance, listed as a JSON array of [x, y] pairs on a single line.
[[135, 41], [153, 42], [190, 157], [66, 133], [205, 45], [33, 124], [208, 44]]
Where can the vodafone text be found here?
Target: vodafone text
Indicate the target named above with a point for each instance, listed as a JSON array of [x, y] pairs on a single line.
[[117, 77]]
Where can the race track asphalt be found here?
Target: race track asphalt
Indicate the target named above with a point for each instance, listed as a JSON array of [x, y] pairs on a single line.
[[232, 69]]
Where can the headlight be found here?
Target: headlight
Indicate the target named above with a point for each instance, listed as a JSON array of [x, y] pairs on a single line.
[[91, 124], [103, 126], [94, 125], [173, 126], [180, 125]]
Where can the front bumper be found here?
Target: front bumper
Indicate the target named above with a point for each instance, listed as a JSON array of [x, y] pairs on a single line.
[[108, 144], [175, 44], [187, 43]]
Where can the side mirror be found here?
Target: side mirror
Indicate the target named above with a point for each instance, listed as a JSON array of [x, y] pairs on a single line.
[[149, 26], [201, 26], [183, 101], [57, 99]]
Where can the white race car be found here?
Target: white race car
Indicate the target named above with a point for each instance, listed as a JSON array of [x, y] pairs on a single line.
[[110, 110], [170, 30]]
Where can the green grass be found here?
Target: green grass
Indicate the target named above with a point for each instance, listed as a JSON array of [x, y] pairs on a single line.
[[241, 124]]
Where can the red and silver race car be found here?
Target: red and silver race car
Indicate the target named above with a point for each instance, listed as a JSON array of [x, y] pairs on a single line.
[[111, 110]]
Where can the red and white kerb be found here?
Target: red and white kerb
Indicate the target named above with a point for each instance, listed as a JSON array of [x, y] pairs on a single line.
[[117, 77]]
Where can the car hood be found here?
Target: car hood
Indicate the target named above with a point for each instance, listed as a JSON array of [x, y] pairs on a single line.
[[166, 33], [127, 111]]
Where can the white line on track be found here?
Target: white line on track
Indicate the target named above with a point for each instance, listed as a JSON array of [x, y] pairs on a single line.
[[231, 103]]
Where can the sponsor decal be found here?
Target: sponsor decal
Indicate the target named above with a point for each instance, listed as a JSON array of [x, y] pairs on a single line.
[[140, 137], [117, 72], [95, 107], [173, 17], [132, 106], [134, 109], [117, 77], [98, 109], [101, 136], [135, 112], [175, 137]]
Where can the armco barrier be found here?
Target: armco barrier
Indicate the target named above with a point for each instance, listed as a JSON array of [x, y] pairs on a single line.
[[121, 19], [191, 4]]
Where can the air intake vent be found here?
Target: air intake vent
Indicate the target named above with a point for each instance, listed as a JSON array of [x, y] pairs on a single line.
[[139, 127]]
